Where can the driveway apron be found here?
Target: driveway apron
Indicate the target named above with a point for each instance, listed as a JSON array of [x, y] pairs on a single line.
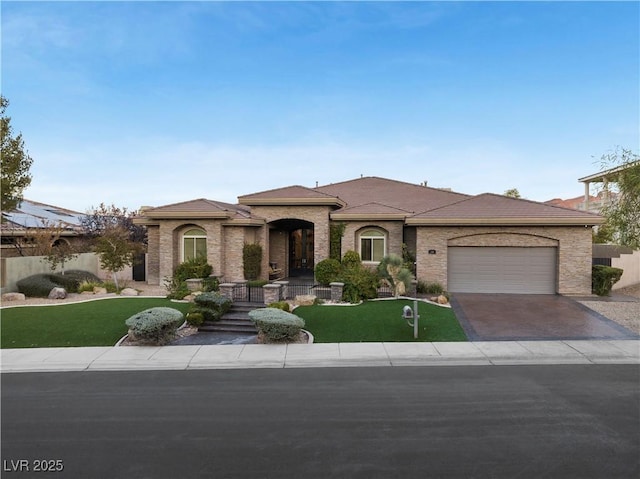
[[500, 317]]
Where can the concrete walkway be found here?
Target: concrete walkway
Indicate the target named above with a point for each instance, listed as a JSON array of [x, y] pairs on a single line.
[[321, 355]]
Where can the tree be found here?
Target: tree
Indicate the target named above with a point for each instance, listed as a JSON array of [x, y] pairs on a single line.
[[47, 242], [98, 220], [15, 161], [513, 193], [623, 215], [116, 250], [116, 240]]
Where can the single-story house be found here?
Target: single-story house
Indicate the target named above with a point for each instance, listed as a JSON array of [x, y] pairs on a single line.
[[18, 226], [485, 243]]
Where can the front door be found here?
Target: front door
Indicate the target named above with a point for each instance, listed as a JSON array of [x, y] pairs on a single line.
[[301, 252]]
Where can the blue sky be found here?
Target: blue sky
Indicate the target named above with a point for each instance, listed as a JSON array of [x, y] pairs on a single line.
[[150, 103]]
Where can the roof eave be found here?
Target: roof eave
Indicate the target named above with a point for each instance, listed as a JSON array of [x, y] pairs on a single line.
[[245, 222], [168, 215], [505, 221], [368, 217], [291, 202]]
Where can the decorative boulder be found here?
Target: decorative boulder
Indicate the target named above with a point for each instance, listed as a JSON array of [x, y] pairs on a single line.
[[129, 292], [58, 293], [99, 290], [442, 299], [13, 297]]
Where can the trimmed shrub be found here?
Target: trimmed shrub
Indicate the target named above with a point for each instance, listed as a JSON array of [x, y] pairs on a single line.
[[257, 283], [359, 284], [327, 271], [211, 306], [193, 268], [351, 259], [155, 325], [603, 278], [197, 268], [276, 325], [252, 261], [194, 318], [210, 284], [283, 305], [37, 285]]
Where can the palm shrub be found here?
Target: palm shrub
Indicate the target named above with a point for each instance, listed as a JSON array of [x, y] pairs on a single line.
[[155, 325], [392, 271], [276, 325]]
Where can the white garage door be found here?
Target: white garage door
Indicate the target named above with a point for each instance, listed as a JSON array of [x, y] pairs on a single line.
[[502, 270]]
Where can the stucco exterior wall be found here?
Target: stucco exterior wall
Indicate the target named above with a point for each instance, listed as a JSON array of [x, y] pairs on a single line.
[[630, 264], [573, 243]]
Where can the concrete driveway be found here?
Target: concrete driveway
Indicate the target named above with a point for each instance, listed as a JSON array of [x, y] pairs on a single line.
[[500, 317]]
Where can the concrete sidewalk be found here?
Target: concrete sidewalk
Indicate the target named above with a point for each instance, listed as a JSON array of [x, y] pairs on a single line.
[[321, 355]]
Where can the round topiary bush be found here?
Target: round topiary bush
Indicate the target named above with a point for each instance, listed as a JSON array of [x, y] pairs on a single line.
[[155, 325], [276, 325], [327, 271]]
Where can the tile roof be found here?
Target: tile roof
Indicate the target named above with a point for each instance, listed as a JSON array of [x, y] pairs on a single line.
[[201, 207], [290, 195], [371, 210], [390, 193], [489, 208]]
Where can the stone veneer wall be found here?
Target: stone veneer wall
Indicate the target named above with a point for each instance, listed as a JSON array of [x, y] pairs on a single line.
[[394, 231], [168, 238], [574, 250], [153, 254], [278, 249]]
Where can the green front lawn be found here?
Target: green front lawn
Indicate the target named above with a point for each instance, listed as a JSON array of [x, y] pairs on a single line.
[[91, 323], [379, 321]]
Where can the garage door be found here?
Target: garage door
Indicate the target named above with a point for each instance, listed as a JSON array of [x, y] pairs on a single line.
[[502, 270]]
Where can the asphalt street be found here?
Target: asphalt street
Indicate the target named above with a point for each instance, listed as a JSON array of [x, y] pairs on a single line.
[[559, 421]]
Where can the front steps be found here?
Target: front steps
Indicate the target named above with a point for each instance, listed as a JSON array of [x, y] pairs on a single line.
[[236, 320]]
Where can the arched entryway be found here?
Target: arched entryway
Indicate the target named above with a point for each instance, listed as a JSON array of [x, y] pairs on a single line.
[[295, 248]]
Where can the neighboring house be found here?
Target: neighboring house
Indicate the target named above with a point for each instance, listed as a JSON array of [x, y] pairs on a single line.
[[484, 243], [18, 225], [593, 204]]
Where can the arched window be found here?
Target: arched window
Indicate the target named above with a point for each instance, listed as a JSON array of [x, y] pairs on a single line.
[[194, 244], [372, 245]]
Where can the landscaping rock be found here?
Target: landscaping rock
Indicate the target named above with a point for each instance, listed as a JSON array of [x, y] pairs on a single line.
[[442, 299], [305, 300], [13, 297], [129, 292], [58, 293], [99, 290]]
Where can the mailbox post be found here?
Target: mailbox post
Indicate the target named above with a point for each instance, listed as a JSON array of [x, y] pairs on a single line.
[[412, 314]]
